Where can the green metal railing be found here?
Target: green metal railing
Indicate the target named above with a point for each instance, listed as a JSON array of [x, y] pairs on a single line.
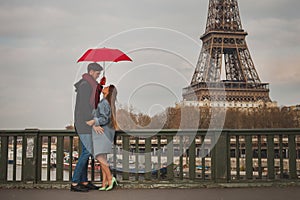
[[49, 156]]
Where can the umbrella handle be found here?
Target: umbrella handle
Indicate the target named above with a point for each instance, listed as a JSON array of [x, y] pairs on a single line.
[[103, 68]]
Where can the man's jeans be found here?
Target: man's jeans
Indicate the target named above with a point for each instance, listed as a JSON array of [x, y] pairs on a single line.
[[80, 172]]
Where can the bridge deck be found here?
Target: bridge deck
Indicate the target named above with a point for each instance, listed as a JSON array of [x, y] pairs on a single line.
[[264, 193]]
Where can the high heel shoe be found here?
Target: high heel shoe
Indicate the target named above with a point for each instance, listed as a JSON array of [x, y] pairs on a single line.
[[113, 182], [103, 188]]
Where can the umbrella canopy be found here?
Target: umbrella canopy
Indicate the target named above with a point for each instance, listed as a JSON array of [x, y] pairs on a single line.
[[104, 54]]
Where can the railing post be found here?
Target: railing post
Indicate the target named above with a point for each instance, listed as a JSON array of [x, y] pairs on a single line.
[[271, 155], [30, 163], [249, 157], [148, 158], [159, 156], [39, 159], [192, 158], [292, 157], [3, 159], [259, 157], [181, 157], [125, 156], [59, 158], [137, 158], [220, 158], [237, 156], [170, 156], [70, 158], [203, 155]]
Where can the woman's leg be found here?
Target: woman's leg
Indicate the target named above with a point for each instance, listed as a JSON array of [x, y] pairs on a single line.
[[104, 177], [107, 177]]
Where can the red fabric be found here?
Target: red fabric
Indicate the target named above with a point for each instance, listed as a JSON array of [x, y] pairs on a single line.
[[99, 90], [104, 54], [97, 94], [103, 80], [96, 89]]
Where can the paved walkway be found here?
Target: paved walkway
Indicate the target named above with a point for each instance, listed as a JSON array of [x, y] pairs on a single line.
[[273, 193]]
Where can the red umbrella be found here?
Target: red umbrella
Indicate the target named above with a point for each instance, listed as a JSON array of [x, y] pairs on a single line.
[[104, 54]]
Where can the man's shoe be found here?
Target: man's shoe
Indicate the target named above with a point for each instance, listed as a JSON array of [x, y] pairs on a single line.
[[91, 186], [79, 188]]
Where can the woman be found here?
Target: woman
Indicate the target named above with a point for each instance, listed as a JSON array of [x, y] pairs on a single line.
[[104, 126]]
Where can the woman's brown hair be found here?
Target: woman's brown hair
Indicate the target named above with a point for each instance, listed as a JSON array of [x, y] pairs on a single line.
[[111, 98]]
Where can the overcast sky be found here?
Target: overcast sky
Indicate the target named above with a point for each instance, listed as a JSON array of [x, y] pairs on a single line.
[[40, 42]]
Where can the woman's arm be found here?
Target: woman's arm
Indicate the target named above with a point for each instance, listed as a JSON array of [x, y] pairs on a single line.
[[103, 113]]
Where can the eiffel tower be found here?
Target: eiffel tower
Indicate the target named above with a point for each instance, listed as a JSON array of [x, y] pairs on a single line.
[[224, 41]]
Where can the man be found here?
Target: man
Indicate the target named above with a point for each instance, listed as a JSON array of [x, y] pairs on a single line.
[[87, 88]]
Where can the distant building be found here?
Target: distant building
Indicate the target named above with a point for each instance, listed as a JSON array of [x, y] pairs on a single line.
[[229, 104]]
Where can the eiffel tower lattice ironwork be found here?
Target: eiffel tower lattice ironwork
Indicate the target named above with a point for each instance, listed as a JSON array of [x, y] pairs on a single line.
[[224, 41]]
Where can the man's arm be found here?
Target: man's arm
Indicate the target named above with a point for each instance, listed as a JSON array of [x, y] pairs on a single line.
[[85, 92]]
